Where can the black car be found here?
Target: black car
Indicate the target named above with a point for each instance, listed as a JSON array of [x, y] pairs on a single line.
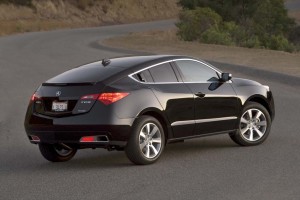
[[141, 103]]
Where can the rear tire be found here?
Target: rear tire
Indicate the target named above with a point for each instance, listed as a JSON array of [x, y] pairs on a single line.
[[254, 126], [147, 141], [56, 152]]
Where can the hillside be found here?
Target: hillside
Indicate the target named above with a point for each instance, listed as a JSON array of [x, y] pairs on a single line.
[[55, 14]]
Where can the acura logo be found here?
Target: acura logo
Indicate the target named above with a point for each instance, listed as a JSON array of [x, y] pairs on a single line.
[[58, 93]]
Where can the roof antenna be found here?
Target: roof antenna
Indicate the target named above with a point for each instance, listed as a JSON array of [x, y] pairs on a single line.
[[105, 62]]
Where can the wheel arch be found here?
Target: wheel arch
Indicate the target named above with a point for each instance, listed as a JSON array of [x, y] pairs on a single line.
[[158, 114], [261, 100]]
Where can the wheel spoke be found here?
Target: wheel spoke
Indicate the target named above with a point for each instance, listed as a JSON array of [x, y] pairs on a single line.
[[258, 132], [142, 134], [142, 145], [156, 140], [243, 120], [147, 151], [148, 129], [244, 130], [262, 123], [154, 130], [250, 114], [258, 114], [154, 149], [251, 135]]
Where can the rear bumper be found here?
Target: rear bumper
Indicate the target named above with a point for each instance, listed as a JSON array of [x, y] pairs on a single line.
[[69, 130]]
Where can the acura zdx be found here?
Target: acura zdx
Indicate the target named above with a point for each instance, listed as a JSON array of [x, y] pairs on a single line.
[[141, 103]]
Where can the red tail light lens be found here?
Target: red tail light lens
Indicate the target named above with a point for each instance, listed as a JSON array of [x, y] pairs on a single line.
[[109, 98], [88, 139], [35, 97]]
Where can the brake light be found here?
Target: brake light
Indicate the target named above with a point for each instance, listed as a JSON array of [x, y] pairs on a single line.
[[109, 98]]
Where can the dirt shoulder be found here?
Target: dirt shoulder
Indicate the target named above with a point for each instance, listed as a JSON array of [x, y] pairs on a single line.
[[166, 42]]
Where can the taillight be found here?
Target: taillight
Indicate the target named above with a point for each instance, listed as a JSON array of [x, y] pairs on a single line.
[[106, 98], [109, 98], [35, 97]]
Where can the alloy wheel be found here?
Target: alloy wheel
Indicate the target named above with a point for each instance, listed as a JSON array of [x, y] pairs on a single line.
[[253, 125], [150, 140]]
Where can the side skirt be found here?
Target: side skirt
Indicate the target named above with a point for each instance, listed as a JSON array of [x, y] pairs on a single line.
[[200, 135]]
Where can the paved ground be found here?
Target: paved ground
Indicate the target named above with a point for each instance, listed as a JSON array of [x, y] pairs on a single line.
[[207, 168]]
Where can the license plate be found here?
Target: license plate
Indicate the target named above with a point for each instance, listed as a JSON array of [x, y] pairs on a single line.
[[59, 106]]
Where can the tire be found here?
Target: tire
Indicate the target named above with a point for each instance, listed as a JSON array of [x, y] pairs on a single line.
[[145, 145], [56, 152], [254, 125]]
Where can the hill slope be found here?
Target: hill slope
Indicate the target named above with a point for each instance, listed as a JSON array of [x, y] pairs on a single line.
[[53, 14]]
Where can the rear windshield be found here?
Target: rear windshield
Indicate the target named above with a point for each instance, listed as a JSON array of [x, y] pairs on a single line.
[[89, 73]]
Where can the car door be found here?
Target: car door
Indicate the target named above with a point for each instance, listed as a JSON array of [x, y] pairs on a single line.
[[174, 96], [216, 104]]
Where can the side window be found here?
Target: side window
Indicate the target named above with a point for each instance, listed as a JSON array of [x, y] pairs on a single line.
[[163, 73], [196, 72], [144, 76]]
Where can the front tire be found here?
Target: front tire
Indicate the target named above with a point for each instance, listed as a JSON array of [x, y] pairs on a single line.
[[146, 142], [57, 152], [254, 127]]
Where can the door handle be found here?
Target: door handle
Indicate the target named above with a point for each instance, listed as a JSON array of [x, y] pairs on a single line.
[[200, 94]]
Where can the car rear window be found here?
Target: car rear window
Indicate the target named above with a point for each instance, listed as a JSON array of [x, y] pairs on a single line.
[[90, 73]]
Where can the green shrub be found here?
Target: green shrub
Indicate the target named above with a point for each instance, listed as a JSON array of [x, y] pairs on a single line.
[[279, 42], [194, 22], [246, 23], [17, 2], [215, 36]]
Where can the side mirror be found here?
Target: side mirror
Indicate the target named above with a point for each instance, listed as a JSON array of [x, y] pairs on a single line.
[[226, 77]]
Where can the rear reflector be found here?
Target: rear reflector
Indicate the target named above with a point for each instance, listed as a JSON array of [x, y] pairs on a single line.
[[109, 98], [96, 138], [88, 139], [34, 138]]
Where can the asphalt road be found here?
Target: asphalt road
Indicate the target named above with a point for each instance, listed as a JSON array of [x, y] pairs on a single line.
[[205, 168]]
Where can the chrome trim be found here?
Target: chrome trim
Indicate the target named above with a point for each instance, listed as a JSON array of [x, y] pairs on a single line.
[[178, 123], [198, 121], [168, 61]]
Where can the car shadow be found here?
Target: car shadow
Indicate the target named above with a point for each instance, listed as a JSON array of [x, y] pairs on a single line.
[[118, 159]]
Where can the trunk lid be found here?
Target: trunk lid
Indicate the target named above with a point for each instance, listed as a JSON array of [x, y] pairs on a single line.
[[60, 100]]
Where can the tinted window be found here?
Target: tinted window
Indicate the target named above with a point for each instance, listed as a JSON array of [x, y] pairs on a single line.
[[163, 73], [92, 72], [144, 76], [196, 72]]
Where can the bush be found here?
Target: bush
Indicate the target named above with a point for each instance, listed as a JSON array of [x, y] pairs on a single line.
[[246, 23], [215, 36], [194, 22], [17, 2], [279, 42], [294, 35]]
